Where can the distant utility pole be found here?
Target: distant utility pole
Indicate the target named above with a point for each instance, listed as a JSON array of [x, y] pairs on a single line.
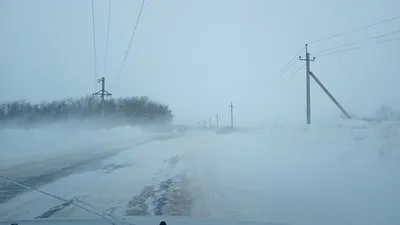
[[231, 106], [102, 93], [308, 60], [217, 121], [209, 123]]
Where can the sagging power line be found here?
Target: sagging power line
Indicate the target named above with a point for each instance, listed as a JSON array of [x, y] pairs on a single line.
[[108, 34], [337, 52], [295, 72], [386, 34], [354, 30], [359, 47], [293, 59], [285, 68], [107, 38], [131, 39], [94, 42], [333, 48], [328, 50], [354, 45], [284, 71]]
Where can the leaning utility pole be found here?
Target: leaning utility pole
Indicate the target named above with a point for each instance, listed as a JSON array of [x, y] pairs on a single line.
[[217, 121], [231, 105], [102, 93], [330, 95], [307, 59]]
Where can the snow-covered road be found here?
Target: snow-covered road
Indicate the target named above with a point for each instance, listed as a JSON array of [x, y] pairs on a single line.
[[325, 174]]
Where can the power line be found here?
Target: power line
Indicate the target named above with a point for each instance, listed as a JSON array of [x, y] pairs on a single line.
[[286, 67], [333, 48], [357, 29], [294, 57], [390, 40], [130, 42], [337, 52], [355, 48], [108, 32], [294, 62], [276, 78], [298, 70], [352, 44], [327, 38], [380, 22], [384, 35], [94, 42], [295, 72]]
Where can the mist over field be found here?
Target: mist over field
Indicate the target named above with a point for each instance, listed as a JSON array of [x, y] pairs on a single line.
[[196, 111], [338, 173]]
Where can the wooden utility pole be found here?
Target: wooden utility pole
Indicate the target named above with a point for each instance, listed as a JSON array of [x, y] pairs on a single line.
[[231, 106], [308, 94], [102, 93], [217, 121]]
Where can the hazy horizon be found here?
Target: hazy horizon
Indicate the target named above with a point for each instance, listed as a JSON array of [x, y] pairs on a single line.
[[198, 56]]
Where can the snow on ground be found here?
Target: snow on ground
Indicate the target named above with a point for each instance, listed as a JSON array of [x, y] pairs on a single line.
[[19, 145], [102, 189], [323, 174], [302, 176]]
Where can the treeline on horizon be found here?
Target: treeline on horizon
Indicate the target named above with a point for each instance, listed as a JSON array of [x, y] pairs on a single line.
[[125, 110]]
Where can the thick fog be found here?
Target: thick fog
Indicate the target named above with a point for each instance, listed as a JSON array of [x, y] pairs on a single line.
[[198, 56], [195, 57]]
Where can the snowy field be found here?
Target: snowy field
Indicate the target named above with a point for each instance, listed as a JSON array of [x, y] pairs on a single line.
[[345, 173], [19, 145]]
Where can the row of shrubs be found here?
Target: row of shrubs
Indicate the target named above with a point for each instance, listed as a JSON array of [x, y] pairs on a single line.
[[130, 109]]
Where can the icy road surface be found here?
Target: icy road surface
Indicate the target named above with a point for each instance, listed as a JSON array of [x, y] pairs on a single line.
[[326, 174]]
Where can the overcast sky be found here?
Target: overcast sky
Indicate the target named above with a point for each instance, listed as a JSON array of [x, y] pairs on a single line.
[[198, 56]]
